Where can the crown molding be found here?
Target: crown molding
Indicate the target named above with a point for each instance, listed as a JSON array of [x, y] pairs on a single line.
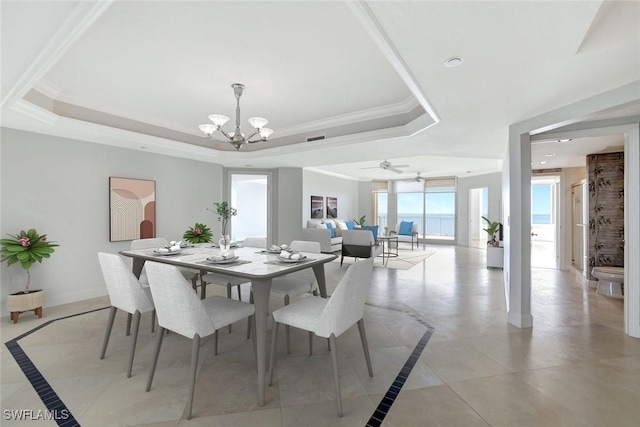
[[377, 33], [83, 16], [35, 112], [403, 107]]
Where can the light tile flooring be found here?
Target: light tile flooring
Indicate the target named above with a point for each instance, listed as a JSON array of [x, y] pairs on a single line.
[[575, 367]]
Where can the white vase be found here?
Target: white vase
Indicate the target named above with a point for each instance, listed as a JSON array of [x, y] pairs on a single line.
[[225, 244]]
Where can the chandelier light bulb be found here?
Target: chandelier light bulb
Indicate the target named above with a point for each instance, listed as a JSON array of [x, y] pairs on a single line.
[[208, 129], [265, 133], [258, 122], [218, 119]]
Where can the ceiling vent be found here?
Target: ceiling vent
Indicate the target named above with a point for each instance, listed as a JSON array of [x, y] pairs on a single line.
[[315, 138]]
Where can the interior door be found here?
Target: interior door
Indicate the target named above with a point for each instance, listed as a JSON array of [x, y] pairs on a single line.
[[544, 221]]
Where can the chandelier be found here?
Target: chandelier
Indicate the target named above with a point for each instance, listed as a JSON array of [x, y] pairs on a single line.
[[237, 138]]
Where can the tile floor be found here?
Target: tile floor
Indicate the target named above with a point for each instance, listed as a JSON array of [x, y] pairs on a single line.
[[575, 367]]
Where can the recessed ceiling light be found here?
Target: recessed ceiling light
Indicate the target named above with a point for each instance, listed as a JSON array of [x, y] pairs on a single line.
[[248, 166], [143, 148], [544, 162], [550, 154], [564, 140], [454, 61]]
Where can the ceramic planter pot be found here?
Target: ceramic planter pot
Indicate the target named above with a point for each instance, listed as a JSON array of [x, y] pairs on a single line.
[[20, 302]]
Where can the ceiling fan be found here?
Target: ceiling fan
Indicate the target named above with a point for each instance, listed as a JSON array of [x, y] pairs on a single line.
[[417, 178], [386, 165]]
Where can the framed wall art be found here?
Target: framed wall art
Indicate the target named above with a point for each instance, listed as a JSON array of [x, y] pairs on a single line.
[[132, 209], [332, 207], [317, 207]]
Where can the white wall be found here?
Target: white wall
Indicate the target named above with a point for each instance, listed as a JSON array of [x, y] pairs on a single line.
[[290, 205], [347, 191], [494, 182], [60, 187]]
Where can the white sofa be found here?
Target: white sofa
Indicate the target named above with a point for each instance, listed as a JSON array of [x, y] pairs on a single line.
[[313, 233]]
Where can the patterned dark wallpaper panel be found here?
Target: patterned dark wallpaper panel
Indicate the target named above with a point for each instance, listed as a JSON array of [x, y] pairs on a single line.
[[606, 209]]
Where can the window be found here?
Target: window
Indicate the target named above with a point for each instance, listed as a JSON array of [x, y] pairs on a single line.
[[380, 199], [430, 204]]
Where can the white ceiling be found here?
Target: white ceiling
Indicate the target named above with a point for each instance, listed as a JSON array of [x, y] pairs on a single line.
[[368, 75]]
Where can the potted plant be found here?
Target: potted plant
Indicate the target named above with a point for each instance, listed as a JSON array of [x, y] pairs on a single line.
[[225, 212], [199, 233], [360, 222], [26, 248], [492, 230]]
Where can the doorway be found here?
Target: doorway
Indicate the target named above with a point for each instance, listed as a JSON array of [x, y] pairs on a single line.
[[250, 196], [579, 226], [544, 221], [478, 208]]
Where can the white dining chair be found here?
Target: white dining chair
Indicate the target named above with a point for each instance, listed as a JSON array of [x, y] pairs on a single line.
[[180, 310], [229, 281], [125, 293], [296, 284], [330, 318]]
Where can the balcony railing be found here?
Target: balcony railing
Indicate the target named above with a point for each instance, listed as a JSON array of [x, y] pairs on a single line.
[[443, 226]]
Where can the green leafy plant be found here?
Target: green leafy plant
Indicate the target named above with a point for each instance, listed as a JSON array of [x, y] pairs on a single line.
[[26, 248], [199, 233], [225, 212], [492, 230], [361, 221]]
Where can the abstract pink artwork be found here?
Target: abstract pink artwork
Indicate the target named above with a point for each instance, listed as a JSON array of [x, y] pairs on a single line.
[[132, 209]]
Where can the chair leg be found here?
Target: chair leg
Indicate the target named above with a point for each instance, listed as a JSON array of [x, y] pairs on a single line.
[[286, 327], [215, 343], [249, 322], [229, 296], [153, 321], [195, 351], [310, 343], [239, 294], [272, 357], [107, 333], [154, 363], [341, 259], [134, 340], [129, 317], [365, 345], [336, 373]]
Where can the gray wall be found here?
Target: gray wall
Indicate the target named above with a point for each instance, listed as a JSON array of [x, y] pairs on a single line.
[[289, 202], [317, 184], [59, 186]]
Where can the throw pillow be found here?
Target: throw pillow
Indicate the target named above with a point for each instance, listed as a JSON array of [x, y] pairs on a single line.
[[332, 231], [322, 225], [374, 230], [406, 227], [341, 224], [350, 225]]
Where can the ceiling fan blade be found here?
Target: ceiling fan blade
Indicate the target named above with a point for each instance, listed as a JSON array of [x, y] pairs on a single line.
[[372, 167], [393, 169], [401, 166]]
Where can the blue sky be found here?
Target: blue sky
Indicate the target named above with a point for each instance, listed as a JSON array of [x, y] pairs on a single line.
[[541, 199]]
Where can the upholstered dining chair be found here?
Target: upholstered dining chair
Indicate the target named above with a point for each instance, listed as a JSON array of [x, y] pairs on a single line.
[[330, 318], [359, 244], [180, 310], [125, 293], [230, 281], [296, 284]]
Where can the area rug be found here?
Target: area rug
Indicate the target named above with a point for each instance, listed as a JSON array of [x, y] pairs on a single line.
[[405, 260]]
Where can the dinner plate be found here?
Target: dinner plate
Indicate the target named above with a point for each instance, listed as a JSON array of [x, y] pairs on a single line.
[[223, 261], [167, 253], [273, 251], [291, 260]]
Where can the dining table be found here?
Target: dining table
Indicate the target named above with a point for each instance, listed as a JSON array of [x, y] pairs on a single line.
[[258, 266]]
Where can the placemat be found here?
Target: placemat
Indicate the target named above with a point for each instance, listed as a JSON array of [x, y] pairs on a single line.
[[278, 262], [231, 264]]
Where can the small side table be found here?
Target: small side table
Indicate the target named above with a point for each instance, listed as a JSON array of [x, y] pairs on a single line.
[[391, 243]]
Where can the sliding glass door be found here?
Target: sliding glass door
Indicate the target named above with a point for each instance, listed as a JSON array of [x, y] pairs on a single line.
[[431, 205]]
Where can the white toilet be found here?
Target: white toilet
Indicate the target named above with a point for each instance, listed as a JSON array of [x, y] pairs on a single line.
[[610, 281]]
